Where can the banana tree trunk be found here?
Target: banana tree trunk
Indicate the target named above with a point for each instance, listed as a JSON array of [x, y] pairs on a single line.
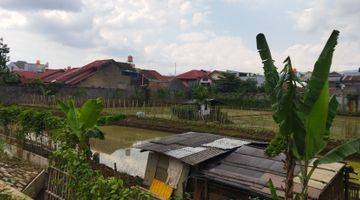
[[290, 168], [85, 147]]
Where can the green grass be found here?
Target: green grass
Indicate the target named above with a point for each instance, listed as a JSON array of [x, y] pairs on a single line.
[[344, 127]]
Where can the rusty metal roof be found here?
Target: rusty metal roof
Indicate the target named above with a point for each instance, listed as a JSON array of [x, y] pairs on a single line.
[[249, 168], [192, 147]]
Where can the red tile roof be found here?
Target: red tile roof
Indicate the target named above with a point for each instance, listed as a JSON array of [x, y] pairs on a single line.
[[51, 74], [26, 76], [193, 74], [76, 75], [152, 75]]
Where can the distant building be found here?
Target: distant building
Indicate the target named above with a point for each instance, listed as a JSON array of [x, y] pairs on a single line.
[[216, 75], [97, 74], [260, 79], [194, 77], [24, 66], [100, 74], [304, 76], [26, 76], [335, 80], [154, 81]]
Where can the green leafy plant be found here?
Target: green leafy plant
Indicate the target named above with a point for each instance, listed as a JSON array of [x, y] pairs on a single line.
[[200, 93], [37, 122], [85, 183], [8, 118], [303, 129], [82, 123]]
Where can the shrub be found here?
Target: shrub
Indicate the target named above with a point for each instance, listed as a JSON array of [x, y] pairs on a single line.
[[191, 112], [85, 183]]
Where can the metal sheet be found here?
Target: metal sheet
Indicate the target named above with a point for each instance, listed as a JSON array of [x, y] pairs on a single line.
[[202, 156], [160, 148], [226, 143], [258, 152], [186, 151]]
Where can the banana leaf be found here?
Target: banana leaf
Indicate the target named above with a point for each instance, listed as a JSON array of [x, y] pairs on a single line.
[[316, 124], [316, 103], [320, 73], [89, 113], [341, 152], [270, 71]]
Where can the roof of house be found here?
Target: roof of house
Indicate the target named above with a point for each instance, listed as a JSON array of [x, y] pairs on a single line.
[[334, 74], [152, 75], [191, 143], [241, 164], [250, 168], [51, 74], [351, 78], [26, 76], [76, 75], [193, 74]]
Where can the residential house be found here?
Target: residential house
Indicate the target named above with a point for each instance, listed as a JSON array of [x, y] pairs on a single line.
[[335, 80], [194, 77], [260, 79], [213, 167], [162, 87], [216, 75], [351, 90], [98, 74], [26, 76], [25, 66], [304, 76]]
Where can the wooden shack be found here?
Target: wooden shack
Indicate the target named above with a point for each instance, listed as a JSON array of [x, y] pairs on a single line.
[[213, 167]]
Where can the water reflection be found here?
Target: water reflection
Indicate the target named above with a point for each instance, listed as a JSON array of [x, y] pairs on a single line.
[[116, 148], [129, 160]]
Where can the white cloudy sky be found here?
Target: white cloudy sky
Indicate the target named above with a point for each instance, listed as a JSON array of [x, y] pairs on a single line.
[[200, 34]]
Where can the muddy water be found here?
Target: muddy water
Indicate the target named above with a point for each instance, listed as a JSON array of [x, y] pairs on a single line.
[[116, 148]]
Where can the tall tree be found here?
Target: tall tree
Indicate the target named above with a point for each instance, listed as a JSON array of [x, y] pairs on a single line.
[[4, 58], [228, 83], [5, 75]]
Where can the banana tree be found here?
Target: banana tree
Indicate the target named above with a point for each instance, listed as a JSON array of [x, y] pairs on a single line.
[[304, 120], [83, 123]]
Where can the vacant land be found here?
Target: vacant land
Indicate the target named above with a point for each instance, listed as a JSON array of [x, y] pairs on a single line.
[[344, 127]]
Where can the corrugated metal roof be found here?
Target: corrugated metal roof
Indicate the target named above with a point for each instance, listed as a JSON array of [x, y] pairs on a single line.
[[226, 143], [249, 168], [185, 146], [183, 152]]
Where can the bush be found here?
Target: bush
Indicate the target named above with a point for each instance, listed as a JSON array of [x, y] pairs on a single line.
[[85, 183], [245, 101], [191, 112]]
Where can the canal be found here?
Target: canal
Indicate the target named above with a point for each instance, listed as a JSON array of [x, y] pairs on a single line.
[[116, 148]]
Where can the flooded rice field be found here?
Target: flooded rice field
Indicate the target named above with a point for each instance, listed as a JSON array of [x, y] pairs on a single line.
[[116, 148]]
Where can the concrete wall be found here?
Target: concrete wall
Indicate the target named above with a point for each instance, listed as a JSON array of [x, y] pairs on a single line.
[[26, 155], [110, 76], [22, 94]]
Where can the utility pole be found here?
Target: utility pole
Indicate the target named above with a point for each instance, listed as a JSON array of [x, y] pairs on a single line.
[[175, 68]]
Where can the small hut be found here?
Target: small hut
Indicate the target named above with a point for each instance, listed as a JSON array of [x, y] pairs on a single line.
[[213, 167]]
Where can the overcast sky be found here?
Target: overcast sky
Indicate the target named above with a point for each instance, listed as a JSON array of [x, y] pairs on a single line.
[[196, 34]]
